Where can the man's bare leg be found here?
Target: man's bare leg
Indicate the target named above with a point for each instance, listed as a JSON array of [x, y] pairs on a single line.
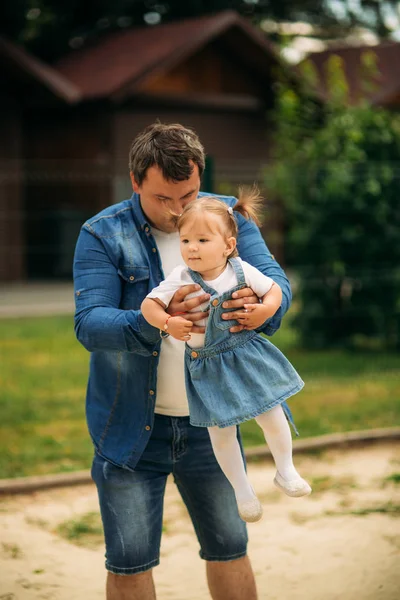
[[131, 587], [233, 580]]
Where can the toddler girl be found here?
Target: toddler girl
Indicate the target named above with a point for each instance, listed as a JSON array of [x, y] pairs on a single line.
[[230, 377]]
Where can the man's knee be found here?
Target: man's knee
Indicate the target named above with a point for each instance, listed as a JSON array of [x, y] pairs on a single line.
[[136, 586]]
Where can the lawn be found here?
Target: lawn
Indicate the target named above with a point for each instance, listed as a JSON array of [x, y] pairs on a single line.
[[43, 374]]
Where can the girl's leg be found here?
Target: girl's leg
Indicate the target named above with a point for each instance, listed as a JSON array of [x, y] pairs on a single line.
[[279, 439], [227, 452]]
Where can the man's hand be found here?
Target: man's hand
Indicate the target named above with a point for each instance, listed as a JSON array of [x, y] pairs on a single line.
[[239, 299], [178, 304]]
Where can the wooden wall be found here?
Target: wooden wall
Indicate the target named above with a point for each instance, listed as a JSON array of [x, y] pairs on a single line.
[[68, 179], [12, 255]]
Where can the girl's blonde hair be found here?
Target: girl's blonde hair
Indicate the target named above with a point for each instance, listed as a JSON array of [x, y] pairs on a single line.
[[249, 205]]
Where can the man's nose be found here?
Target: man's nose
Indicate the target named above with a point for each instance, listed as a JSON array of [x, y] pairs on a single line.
[[178, 207]]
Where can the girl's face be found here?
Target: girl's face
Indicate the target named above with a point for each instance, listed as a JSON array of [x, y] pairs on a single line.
[[204, 247]]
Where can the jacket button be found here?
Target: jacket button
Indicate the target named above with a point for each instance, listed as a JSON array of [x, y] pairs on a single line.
[[194, 354], [147, 428], [78, 293], [131, 278], [154, 249], [151, 392], [146, 229], [155, 353], [215, 302]]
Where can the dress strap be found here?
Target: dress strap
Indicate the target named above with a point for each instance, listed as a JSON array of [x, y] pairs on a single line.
[[237, 267], [197, 278]]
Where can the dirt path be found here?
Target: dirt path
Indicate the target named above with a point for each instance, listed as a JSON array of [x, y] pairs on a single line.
[[303, 549]]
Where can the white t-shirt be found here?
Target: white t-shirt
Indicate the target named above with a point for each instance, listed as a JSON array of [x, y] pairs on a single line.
[[171, 392]]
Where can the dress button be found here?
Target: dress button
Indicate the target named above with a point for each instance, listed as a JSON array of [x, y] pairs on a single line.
[[151, 392], [155, 353], [131, 278], [147, 428], [194, 354], [215, 302]]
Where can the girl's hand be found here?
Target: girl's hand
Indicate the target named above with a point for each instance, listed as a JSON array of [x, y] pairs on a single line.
[[179, 328], [255, 315], [178, 304]]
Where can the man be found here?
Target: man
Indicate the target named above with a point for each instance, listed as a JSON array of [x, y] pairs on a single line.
[[136, 406]]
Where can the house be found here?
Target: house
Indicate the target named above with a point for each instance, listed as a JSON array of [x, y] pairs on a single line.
[[67, 129], [384, 86]]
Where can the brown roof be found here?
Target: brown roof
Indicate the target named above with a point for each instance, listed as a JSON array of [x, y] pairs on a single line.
[[125, 59], [386, 84], [25, 67]]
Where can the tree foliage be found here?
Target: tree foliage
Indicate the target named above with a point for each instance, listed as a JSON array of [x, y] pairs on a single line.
[[337, 169], [49, 28]]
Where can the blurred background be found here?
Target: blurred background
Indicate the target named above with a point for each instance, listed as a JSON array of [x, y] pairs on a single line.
[[300, 96]]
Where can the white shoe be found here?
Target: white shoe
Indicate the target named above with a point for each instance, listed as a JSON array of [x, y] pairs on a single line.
[[294, 487], [251, 510]]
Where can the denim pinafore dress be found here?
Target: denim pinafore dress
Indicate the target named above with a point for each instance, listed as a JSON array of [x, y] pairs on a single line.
[[235, 377]]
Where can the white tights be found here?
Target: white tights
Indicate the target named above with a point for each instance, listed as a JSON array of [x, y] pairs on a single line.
[[227, 451]]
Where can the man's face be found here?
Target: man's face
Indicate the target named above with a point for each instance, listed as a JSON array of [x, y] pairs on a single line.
[[159, 197]]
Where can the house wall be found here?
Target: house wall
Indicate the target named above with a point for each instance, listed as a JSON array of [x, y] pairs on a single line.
[[12, 264], [209, 70], [68, 179]]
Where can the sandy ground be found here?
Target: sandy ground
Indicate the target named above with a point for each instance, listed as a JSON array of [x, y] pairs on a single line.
[[310, 548]]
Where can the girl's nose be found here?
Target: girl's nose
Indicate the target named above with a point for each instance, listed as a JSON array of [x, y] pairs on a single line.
[[192, 247]]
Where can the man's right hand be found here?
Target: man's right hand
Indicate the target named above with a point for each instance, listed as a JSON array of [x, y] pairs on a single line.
[[178, 304]]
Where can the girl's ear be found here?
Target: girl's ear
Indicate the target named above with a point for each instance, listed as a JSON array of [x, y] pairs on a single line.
[[230, 246]]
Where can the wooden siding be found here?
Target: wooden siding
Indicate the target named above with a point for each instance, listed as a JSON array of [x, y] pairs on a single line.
[[209, 70], [12, 263], [68, 179]]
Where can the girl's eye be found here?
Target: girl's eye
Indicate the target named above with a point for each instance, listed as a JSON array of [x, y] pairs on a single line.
[[184, 241], [203, 240]]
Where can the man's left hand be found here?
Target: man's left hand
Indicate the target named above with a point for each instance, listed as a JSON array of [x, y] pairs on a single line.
[[239, 299]]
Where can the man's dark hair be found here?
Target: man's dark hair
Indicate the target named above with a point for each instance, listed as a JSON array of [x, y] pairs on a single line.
[[171, 148]]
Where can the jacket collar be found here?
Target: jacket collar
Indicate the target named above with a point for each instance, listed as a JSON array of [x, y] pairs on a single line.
[[138, 211]]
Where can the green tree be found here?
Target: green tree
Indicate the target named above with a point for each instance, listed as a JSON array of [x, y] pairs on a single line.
[[337, 170], [49, 28]]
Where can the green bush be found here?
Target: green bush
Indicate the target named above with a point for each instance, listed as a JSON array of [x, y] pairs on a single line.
[[337, 170]]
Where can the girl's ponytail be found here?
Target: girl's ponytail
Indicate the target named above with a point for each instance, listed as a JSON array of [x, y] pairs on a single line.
[[250, 204]]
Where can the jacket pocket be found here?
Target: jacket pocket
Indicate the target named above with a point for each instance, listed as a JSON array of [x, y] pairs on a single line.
[[135, 286]]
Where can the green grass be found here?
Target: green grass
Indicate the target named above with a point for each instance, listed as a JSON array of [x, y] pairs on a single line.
[[85, 530], [43, 373]]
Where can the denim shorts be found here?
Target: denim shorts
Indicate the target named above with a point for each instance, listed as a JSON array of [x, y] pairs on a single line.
[[131, 502]]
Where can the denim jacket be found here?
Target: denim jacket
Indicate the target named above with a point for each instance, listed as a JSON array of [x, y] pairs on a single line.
[[116, 265]]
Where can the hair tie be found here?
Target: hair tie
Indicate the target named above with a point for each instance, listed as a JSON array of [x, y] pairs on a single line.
[[230, 210]]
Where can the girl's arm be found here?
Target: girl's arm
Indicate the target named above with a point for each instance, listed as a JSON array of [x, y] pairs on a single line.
[[154, 312]]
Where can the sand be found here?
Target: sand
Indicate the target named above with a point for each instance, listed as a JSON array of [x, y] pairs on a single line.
[[312, 548]]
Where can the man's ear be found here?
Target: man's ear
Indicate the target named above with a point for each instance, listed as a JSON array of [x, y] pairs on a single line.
[[230, 246], [135, 186]]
